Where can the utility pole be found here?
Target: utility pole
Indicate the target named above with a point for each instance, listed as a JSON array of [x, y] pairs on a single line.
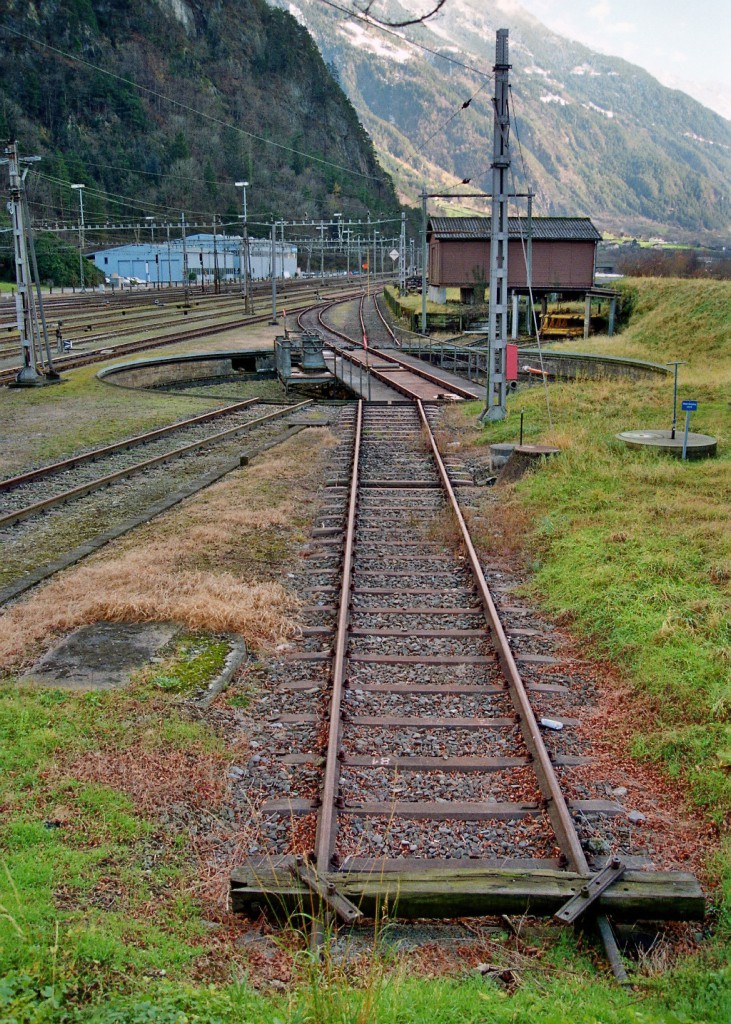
[[245, 252], [170, 268], [216, 282], [50, 372], [496, 388], [274, 272], [25, 309], [281, 262], [402, 257], [375, 260], [423, 260], [80, 190], [185, 259], [368, 256], [322, 253]]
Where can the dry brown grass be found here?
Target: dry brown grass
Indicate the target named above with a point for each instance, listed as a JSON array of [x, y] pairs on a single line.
[[156, 574]]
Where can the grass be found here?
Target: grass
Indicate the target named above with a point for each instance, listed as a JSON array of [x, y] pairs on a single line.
[[78, 906], [193, 660], [111, 862]]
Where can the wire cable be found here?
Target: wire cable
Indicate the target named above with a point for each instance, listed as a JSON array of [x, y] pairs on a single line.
[[529, 281], [456, 113]]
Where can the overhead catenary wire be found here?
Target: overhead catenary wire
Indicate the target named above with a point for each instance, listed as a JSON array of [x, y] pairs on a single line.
[[282, 193], [456, 113]]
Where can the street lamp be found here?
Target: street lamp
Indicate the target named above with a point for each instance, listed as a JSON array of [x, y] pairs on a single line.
[[245, 251], [80, 190]]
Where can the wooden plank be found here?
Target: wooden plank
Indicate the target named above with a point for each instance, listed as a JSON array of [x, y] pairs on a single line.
[[429, 722], [408, 688], [414, 864], [457, 810], [326, 890], [423, 634], [425, 610], [424, 659], [440, 893], [383, 591], [442, 764]]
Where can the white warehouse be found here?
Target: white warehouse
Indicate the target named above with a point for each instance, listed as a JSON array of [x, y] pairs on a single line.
[[162, 263]]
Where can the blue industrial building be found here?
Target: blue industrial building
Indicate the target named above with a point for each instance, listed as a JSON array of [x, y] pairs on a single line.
[[162, 262]]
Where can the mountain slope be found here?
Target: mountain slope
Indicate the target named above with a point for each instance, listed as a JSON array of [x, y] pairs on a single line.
[[254, 100], [599, 136]]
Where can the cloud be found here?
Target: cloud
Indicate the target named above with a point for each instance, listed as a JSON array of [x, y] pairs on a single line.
[[601, 11]]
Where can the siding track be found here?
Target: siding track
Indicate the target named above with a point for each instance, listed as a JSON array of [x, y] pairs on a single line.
[[432, 758]]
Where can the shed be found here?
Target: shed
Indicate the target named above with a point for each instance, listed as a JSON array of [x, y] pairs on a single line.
[[563, 255]]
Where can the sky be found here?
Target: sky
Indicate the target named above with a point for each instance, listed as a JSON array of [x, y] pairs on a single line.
[[685, 45]]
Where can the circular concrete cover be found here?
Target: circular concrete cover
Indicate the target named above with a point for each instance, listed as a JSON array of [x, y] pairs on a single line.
[[698, 444]]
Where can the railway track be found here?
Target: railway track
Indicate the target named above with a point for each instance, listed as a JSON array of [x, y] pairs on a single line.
[[401, 759], [360, 341], [41, 489], [67, 506], [168, 334], [409, 765], [93, 325]]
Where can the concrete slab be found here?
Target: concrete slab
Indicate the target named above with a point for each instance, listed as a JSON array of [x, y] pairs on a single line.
[[699, 445], [102, 656]]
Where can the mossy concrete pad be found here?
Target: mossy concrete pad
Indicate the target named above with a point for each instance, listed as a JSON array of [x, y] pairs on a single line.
[[102, 656]]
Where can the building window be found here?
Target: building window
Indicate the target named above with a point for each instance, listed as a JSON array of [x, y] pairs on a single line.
[[106, 259]]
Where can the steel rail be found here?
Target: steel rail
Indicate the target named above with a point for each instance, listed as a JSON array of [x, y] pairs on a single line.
[[131, 442], [556, 806], [385, 322], [101, 355], [383, 377], [417, 371], [363, 332], [327, 819], [133, 319], [139, 467], [82, 305]]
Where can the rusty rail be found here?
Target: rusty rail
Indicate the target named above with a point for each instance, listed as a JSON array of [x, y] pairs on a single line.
[[131, 442], [327, 820], [94, 485], [556, 806]]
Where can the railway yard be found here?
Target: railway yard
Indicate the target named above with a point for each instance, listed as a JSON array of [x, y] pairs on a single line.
[[399, 713]]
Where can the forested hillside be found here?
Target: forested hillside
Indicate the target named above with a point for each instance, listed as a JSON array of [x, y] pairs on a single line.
[[252, 99]]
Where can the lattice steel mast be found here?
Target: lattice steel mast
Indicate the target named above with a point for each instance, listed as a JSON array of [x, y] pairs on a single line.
[[496, 395], [26, 309]]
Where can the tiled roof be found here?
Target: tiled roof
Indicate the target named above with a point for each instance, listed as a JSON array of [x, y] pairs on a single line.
[[557, 228]]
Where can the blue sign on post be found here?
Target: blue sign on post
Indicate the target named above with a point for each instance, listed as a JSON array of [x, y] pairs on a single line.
[[688, 406]]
